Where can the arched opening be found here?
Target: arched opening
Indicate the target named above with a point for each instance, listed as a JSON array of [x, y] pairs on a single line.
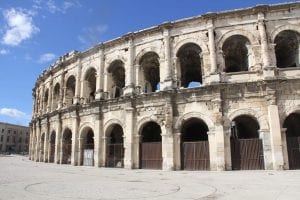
[[42, 147], [246, 146], [115, 149], [292, 125], [56, 96], [67, 146], [149, 64], [88, 147], [287, 49], [194, 145], [190, 71], [52, 147], [45, 100], [70, 90], [90, 85], [150, 148], [117, 78], [235, 51]]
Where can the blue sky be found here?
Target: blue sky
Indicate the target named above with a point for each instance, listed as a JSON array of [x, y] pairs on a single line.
[[34, 33]]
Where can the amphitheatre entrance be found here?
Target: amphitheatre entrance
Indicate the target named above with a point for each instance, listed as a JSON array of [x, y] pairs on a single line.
[[67, 147], [246, 146], [194, 145], [115, 148], [150, 147]]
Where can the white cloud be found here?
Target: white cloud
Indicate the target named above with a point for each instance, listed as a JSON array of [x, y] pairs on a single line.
[[92, 35], [20, 26], [14, 113], [47, 57], [4, 51], [62, 8]]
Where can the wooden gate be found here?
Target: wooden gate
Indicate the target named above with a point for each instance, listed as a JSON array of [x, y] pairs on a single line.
[[115, 155], [52, 152], [247, 154], [151, 155], [67, 150], [195, 155], [88, 157], [293, 146]]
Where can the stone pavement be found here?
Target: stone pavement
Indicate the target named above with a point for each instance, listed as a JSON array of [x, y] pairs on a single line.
[[23, 179]]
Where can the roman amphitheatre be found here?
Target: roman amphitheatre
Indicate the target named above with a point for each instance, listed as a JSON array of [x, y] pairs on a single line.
[[220, 91]]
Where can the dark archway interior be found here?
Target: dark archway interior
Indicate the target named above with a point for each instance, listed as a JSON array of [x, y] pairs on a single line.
[[118, 76], [150, 64], [244, 127], [91, 79], [194, 130], [116, 135], [56, 90], [70, 93], [52, 138], [151, 132], [89, 139], [190, 64], [236, 53], [46, 96], [67, 137], [292, 124], [287, 49]]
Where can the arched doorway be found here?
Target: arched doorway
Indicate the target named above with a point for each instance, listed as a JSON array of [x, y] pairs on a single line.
[[287, 49], [236, 51], [70, 90], [56, 96], [190, 72], [90, 85], [246, 146], [116, 83], [115, 149], [150, 76], [150, 147], [88, 147], [52, 147], [292, 125], [67, 146], [194, 145]]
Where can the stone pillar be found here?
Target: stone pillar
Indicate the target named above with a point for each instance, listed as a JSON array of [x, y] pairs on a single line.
[[264, 135], [97, 142], [57, 142], [219, 148], [214, 76], [129, 78], [275, 135], [284, 149], [37, 146], [138, 85], [227, 148], [46, 142], [49, 103], [136, 151], [167, 83], [100, 70], [104, 146], [268, 70], [74, 155], [61, 153], [128, 135], [80, 151], [62, 91], [212, 150], [78, 81], [167, 150], [177, 150]]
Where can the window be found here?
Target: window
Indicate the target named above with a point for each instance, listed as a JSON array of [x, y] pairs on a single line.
[[2, 130], [8, 131], [7, 139], [1, 138]]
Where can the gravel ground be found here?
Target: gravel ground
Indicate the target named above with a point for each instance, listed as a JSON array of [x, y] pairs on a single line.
[[21, 179]]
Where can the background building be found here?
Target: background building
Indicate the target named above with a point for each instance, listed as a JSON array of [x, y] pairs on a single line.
[[13, 138]]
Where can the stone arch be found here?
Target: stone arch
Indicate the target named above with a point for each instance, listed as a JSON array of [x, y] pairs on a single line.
[[56, 95], [288, 27], [197, 115], [142, 52], [252, 38], [109, 125], [84, 126], [116, 78], [196, 41], [144, 121], [261, 120], [288, 111], [89, 84], [109, 61], [70, 85], [87, 138]]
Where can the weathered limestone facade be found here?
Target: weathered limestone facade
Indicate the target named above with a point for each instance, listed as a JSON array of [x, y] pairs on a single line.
[[245, 64]]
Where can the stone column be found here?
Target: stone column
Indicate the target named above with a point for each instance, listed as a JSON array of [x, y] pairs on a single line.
[[46, 142], [212, 149], [167, 150], [57, 142], [136, 151], [62, 91], [104, 146], [100, 70], [61, 153], [167, 83], [129, 78], [78, 82], [227, 148], [268, 70], [137, 79], [177, 150], [37, 146], [219, 148], [75, 125], [49, 103], [97, 142], [284, 149], [80, 151], [275, 133], [128, 135], [264, 135]]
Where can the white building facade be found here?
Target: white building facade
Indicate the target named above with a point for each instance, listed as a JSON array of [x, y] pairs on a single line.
[[219, 91]]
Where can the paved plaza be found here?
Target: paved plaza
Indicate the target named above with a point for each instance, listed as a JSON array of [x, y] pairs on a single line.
[[24, 179]]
